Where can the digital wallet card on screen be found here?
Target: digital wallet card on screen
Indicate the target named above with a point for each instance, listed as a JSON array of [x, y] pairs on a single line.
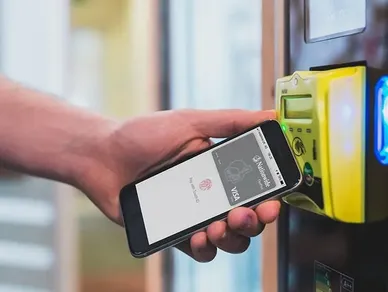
[[167, 206]]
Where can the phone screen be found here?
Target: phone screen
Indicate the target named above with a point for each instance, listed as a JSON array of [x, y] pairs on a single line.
[[214, 182]]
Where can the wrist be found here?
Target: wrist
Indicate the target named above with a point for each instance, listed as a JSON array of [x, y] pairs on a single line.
[[53, 139], [89, 153]]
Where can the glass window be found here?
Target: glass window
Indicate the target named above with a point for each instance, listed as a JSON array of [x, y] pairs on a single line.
[[86, 68], [215, 62], [35, 223]]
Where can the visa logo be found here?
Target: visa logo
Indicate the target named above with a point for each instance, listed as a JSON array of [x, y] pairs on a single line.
[[235, 194]]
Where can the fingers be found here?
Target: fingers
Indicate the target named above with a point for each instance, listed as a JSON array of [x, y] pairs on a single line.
[[203, 250], [233, 236], [268, 211], [224, 238], [242, 224], [199, 248], [225, 123], [244, 221]]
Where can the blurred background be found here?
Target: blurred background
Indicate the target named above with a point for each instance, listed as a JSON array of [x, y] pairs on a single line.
[[124, 58]]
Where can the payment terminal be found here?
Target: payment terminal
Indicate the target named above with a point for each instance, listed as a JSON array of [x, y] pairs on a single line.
[[336, 121]]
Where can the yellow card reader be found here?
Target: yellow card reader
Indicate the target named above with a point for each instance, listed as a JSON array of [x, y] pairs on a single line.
[[336, 121]]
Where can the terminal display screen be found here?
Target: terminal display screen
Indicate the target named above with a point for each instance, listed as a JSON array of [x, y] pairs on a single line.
[[298, 107], [330, 19]]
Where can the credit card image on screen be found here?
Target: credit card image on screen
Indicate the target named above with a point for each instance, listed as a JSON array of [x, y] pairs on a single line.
[[167, 206]]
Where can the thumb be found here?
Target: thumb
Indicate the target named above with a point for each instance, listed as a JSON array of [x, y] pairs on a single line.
[[225, 123]]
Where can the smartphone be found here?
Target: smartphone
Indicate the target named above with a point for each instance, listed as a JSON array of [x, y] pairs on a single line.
[[169, 205]]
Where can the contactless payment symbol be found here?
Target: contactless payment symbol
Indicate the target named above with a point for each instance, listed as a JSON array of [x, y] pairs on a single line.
[[298, 147], [205, 185], [308, 174]]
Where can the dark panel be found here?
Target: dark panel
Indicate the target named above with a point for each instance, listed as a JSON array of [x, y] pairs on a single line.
[[313, 248]]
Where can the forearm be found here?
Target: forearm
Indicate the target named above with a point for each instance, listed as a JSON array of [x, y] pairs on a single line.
[[43, 136]]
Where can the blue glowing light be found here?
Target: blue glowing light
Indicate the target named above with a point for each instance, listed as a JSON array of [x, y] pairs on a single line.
[[381, 120], [385, 110]]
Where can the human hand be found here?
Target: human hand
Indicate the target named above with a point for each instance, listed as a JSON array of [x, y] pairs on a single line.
[[129, 150]]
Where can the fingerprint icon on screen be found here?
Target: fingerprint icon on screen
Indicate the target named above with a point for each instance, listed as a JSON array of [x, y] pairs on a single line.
[[205, 185]]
